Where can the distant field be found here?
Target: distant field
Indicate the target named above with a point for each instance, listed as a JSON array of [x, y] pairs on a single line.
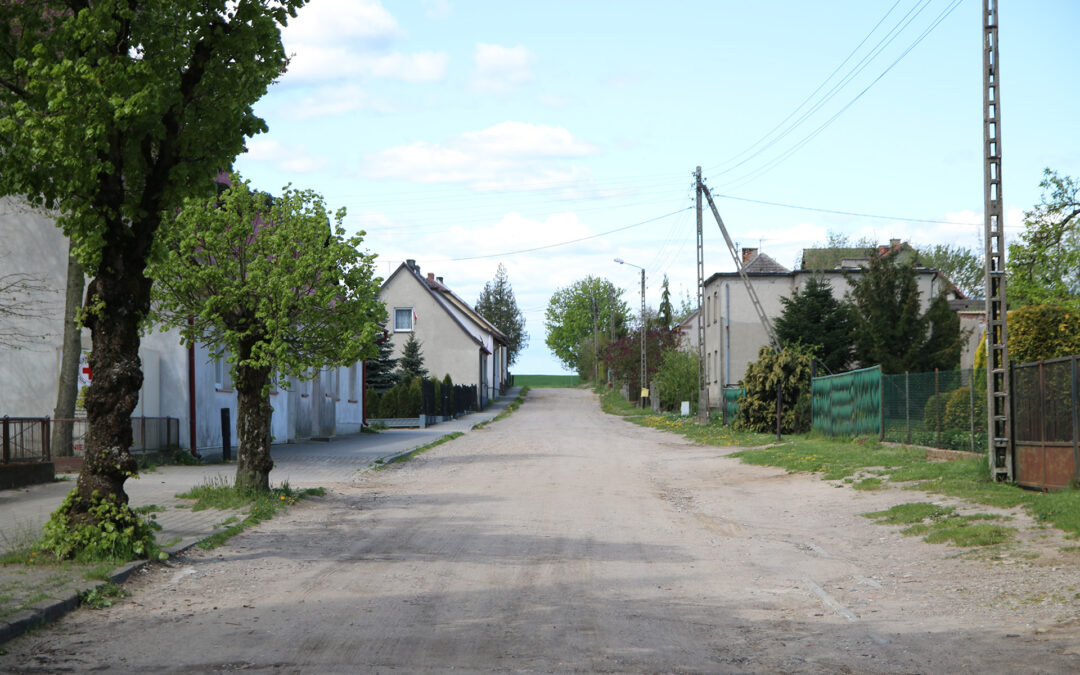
[[546, 380]]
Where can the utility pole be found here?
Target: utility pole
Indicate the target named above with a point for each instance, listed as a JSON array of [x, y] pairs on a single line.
[[703, 385], [998, 408], [595, 343], [644, 330]]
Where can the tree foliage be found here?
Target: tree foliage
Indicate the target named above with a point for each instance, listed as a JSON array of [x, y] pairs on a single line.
[[272, 284], [568, 319], [1044, 265], [411, 363], [677, 378], [498, 305], [959, 264], [788, 369], [889, 328], [665, 316], [115, 113], [623, 357], [380, 369], [815, 319], [1038, 332]]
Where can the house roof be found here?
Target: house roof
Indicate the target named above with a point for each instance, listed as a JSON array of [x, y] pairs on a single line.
[[763, 264], [446, 298], [847, 258]]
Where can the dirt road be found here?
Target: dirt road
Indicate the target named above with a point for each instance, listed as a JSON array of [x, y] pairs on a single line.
[[563, 540]]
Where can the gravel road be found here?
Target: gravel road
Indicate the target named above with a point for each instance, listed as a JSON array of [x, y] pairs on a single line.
[[564, 540]]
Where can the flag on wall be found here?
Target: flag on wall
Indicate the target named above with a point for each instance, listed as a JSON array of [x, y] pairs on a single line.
[[415, 318]]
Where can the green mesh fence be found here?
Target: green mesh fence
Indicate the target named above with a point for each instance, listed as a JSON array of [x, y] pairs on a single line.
[[942, 409], [848, 404]]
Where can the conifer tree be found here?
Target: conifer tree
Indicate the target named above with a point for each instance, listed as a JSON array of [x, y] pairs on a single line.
[[380, 371], [411, 363], [665, 313], [818, 321], [498, 305]]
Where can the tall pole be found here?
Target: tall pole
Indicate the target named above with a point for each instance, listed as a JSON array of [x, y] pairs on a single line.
[[998, 408], [644, 329], [703, 395], [595, 343]]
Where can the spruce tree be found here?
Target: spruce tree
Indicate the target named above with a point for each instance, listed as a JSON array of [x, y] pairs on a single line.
[[498, 305], [889, 329], [379, 371], [818, 321], [411, 363], [665, 314]]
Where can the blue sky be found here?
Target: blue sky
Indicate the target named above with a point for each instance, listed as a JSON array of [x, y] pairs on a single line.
[[458, 133]]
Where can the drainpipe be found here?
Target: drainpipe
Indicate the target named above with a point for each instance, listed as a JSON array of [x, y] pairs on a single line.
[[191, 396]]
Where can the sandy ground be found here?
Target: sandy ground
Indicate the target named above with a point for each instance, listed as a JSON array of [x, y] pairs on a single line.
[[564, 540]]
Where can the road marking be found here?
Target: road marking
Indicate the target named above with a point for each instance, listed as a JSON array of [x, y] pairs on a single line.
[[829, 601]]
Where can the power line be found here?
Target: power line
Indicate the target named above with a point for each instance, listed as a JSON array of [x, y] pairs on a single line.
[[842, 213], [565, 243]]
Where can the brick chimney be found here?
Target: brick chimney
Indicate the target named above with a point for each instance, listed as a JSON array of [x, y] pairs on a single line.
[[748, 254]]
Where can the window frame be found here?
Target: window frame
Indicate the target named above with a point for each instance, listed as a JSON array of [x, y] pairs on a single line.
[[410, 312]]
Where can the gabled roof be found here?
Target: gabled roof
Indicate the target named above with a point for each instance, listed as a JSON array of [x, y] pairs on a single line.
[[847, 258], [449, 301], [763, 264]]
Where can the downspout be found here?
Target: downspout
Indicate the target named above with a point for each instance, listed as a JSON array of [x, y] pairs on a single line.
[[727, 336], [191, 397]]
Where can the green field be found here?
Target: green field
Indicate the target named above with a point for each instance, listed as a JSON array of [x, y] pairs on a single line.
[[535, 381]]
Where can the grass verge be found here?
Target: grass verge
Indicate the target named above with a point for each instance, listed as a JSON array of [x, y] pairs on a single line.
[[257, 506], [557, 381], [514, 405], [419, 451]]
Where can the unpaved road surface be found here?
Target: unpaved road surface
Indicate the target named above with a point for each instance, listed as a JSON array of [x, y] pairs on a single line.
[[564, 540]]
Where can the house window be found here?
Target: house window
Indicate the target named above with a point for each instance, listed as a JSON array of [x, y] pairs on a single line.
[[403, 319], [221, 372]]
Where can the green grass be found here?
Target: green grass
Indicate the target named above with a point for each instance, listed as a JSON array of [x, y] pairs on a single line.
[[418, 451], [514, 405], [713, 433], [102, 596], [547, 381], [942, 525], [259, 506]]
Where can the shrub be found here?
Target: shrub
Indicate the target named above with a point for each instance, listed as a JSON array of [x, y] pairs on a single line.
[[371, 401], [677, 378], [1038, 332], [958, 410], [934, 412], [413, 396], [788, 368], [117, 534]]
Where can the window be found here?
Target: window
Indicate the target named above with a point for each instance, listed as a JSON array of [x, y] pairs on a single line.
[[403, 319], [352, 383], [221, 372]]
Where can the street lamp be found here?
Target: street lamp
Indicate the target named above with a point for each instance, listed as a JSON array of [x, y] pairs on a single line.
[[644, 386]]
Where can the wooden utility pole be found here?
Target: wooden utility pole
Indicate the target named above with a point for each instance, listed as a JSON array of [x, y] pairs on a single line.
[[998, 408]]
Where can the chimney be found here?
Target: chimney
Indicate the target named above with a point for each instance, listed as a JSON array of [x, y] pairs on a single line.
[[748, 254], [412, 265], [431, 276], [439, 279], [893, 243]]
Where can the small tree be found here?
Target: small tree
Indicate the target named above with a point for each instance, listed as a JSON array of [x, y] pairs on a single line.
[[788, 369], [665, 315], [411, 363], [570, 314], [1044, 264], [380, 369], [888, 327], [677, 378], [269, 281], [498, 305], [623, 356]]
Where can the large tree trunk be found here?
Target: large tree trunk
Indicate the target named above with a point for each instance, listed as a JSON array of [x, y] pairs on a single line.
[[67, 390], [117, 300], [253, 463]]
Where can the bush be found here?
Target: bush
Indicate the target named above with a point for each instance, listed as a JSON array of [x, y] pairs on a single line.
[[414, 399], [1039, 332], [934, 411], [371, 401], [958, 410], [118, 534], [788, 368], [677, 378]]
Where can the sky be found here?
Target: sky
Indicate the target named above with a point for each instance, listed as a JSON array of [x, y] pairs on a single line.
[[556, 136]]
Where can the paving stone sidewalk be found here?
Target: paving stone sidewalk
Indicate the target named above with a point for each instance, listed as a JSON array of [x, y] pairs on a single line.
[[30, 595]]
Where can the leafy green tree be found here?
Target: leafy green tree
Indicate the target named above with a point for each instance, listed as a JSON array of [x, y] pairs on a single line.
[[498, 305], [570, 312], [379, 370], [888, 327], [1038, 332], [1044, 265], [665, 316], [944, 340], [815, 319], [960, 265], [114, 111], [411, 363], [268, 281], [677, 378]]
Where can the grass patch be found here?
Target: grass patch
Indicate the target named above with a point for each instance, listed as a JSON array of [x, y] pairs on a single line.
[[514, 405], [942, 525], [102, 596], [419, 451], [612, 402], [217, 493], [547, 381], [870, 483]]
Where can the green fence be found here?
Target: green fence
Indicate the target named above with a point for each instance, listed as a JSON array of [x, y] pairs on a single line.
[[848, 404], [730, 400]]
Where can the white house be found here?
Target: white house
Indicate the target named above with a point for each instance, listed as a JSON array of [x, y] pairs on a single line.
[[178, 382], [733, 330], [454, 339]]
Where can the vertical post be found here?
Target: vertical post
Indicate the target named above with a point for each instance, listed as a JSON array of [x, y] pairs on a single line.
[[779, 407], [226, 434], [703, 399], [907, 405], [596, 343], [7, 439], [1076, 418], [644, 330], [998, 377], [971, 404], [937, 408]]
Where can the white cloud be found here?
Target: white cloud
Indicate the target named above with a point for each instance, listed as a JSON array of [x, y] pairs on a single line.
[[507, 155], [336, 100], [499, 68], [436, 9], [339, 39], [292, 159]]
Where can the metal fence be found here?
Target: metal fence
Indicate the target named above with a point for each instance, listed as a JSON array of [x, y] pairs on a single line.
[[1046, 422], [28, 439], [729, 402], [847, 404]]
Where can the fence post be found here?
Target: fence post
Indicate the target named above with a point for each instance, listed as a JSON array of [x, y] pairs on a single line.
[[779, 407], [7, 440], [881, 405], [971, 399], [1076, 419], [45, 450], [907, 404], [937, 408]]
